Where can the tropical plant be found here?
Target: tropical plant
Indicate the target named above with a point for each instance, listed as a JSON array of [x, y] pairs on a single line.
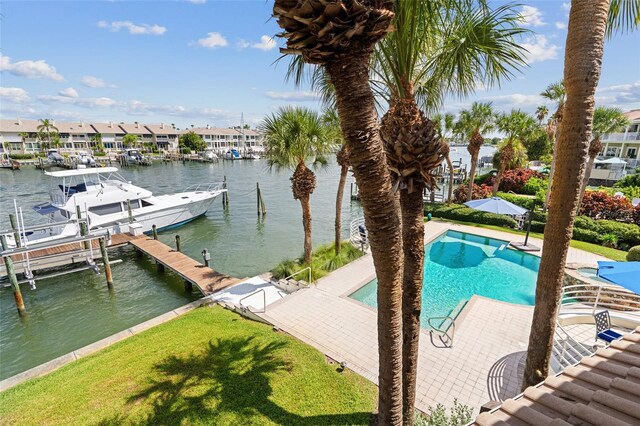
[[511, 153], [48, 129], [537, 145], [600, 205], [629, 180], [23, 140], [340, 36], [554, 92], [605, 120], [589, 23], [444, 127], [541, 113], [130, 140], [460, 194], [293, 137], [634, 254], [474, 122], [190, 141]]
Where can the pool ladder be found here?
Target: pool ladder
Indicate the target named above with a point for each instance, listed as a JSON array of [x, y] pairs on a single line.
[[442, 333]]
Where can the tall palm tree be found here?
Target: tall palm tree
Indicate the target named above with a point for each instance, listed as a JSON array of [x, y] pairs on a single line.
[[23, 140], [541, 113], [444, 126], [557, 93], [605, 120], [340, 37], [293, 137], [515, 125], [589, 23], [332, 122], [47, 128], [474, 122]]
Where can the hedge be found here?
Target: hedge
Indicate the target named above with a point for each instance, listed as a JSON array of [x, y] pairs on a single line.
[[21, 156], [460, 212], [518, 200], [634, 254]]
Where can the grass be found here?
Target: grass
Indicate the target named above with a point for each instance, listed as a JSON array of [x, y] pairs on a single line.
[[323, 261], [608, 252], [209, 366]]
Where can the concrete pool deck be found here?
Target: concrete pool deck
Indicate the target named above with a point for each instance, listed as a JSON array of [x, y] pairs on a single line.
[[491, 337]]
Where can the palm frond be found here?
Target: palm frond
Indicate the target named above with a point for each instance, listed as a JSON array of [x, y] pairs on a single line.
[[624, 16]]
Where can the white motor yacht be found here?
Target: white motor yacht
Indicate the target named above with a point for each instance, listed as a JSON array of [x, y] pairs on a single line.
[[114, 204]]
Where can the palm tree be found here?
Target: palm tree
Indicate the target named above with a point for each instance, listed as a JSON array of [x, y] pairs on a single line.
[[589, 23], [47, 128], [474, 122], [605, 120], [515, 125], [23, 140], [332, 122], [444, 126], [541, 113], [130, 140], [554, 92], [293, 137]]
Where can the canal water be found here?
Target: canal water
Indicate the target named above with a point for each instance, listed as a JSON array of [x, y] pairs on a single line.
[[68, 312]]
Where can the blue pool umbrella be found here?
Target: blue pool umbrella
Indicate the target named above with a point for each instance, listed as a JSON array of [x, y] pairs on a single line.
[[496, 205], [625, 274]]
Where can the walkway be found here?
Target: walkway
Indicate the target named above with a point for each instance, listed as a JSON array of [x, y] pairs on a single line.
[[205, 278], [490, 339]]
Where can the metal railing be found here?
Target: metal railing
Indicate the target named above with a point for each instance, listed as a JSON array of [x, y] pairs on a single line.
[[206, 187], [308, 268], [441, 331], [589, 298], [264, 300], [567, 350], [355, 236]]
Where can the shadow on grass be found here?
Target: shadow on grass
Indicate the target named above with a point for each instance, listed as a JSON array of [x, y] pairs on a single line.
[[230, 376]]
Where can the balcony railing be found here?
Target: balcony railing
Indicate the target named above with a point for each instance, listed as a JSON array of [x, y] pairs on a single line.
[[621, 137]]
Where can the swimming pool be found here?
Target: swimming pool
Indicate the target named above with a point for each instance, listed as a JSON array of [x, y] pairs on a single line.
[[459, 265]]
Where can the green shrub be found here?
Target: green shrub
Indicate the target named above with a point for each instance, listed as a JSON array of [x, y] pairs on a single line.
[[535, 185], [21, 156], [518, 200], [537, 226], [466, 214], [539, 216], [610, 240], [627, 234], [460, 416], [323, 261], [587, 236], [629, 180], [634, 254], [630, 192]]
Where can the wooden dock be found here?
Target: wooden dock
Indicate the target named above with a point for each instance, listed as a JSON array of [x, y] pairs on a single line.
[[205, 278]]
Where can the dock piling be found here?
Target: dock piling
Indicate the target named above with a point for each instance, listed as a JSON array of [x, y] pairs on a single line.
[[84, 230], [225, 195], [206, 257], [14, 226], [154, 230], [105, 259], [178, 243], [11, 273]]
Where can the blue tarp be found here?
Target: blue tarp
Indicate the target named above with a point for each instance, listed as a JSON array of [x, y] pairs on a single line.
[[625, 274]]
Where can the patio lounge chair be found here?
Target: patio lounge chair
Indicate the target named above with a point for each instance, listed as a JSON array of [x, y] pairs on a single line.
[[603, 327]]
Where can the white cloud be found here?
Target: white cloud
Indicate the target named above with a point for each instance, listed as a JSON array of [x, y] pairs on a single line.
[[14, 94], [242, 44], [301, 96], [566, 6], [81, 102], [135, 29], [531, 16], [539, 49], [265, 43], [561, 25], [69, 92], [30, 69], [213, 40], [95, 82], [625, 96]]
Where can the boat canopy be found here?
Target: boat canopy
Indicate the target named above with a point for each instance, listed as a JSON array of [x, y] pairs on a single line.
[[81, 172], [45, 208]]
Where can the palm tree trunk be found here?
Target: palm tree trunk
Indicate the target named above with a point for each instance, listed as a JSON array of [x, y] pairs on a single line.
[[306, 223], [338, 225], [585, 180], [496, 182], [450, 166], [583, 60], [358, 119], [547, 198], [472, 174], [413, 248]]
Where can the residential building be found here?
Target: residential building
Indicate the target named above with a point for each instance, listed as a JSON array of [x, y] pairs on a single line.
[[165, 136], [111, 135], [74, 136], [626, 143], [144, 135], [19, 136]]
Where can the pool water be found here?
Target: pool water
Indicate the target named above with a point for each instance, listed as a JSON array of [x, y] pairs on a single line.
[[458, 265]]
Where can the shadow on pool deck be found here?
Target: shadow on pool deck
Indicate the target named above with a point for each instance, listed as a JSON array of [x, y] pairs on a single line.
[[231, 377]]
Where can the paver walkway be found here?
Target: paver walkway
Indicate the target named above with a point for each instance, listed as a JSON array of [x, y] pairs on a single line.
[[490, 339]]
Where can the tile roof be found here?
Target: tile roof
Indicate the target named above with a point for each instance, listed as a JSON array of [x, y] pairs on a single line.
[[19, 125], [80, 127], [602, 389], [213, 131], [107, 128], [633, 115], [135, 129], [162, 129]]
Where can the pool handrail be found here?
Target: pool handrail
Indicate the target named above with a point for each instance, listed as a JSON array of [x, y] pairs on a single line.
[[442, 332]]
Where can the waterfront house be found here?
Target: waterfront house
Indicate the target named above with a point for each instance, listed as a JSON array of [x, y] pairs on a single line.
[[111, 135], [624, 144], [144, 135], [19, 136], [165, 136], [74, 136]]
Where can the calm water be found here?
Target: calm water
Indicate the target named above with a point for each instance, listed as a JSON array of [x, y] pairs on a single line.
[[69, 312], [459, 265]]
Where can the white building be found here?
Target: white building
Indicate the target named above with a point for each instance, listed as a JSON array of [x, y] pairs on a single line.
[[19, 136], [626, 143], [164, 136], [111, 135]]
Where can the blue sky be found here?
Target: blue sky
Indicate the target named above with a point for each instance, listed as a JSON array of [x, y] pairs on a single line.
[[206, 62]]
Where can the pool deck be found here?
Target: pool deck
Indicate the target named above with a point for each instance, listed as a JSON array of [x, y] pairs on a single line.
[[491, 337]]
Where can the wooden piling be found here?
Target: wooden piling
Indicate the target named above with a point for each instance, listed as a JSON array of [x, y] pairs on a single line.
[[105, 260], [154, 230], [84, 229], [177, 242], [258, 197], [14, 226], [11, 273], [225, 195]]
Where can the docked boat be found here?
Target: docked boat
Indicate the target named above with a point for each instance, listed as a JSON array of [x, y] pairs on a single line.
[[7, 162], [85, 159], [232, 154], [133, 156], [113, 204], [209, 155], [54, 157]]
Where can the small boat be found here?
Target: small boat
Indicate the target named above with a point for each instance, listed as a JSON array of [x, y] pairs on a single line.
[[8, 163], [54, 157], [133, 156], [209, 155], [113, 204], [232, 154], [251, 155], [85, 159]]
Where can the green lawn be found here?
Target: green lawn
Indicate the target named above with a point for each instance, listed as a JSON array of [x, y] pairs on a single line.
[[611, 253], [209, 366]]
